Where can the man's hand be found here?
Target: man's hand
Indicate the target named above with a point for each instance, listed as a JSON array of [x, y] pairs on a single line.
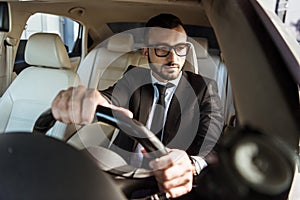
[[174, 173], [78, 105]]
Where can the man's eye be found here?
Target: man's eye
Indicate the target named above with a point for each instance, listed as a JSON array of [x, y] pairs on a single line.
[[162, 48], [181, 48]]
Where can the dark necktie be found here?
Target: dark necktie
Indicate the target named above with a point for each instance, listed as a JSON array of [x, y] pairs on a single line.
[[159, 110], [158, 117]]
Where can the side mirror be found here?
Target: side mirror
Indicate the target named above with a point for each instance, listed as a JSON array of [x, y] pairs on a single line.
[[4, 17]]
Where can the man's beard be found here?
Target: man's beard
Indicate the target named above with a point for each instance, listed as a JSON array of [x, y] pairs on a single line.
[[159, 72]]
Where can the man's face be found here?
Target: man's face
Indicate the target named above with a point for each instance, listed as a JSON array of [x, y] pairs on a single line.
[[166, 67]]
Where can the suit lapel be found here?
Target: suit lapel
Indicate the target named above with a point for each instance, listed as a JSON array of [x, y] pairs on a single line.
[[147, 93], [177, 105], [140, 102], [141, 112]]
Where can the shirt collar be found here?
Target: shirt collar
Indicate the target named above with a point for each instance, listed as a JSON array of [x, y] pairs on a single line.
[[175, 81]]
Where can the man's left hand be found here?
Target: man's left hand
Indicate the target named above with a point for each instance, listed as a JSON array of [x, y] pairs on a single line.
[[174, 173]]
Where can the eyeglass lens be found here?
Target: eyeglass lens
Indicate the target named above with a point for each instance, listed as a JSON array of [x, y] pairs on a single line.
[[163, 50]]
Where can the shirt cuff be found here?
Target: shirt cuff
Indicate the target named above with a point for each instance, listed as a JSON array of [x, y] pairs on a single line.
[[199, 162]]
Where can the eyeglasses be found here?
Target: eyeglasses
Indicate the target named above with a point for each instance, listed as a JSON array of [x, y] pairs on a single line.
[[162, 50]]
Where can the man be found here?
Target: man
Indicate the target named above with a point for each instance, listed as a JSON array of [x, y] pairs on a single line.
[[192, 120]]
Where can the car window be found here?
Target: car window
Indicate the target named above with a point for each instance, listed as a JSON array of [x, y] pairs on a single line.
[[69, 30], [288, 12], [292, 19]]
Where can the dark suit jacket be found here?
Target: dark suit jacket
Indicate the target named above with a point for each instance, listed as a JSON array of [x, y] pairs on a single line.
[[194, 119]]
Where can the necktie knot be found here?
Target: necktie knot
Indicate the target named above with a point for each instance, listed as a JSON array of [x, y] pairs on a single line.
[[162, 92]]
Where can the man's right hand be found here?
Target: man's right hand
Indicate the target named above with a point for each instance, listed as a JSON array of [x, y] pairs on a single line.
[[78, 105]]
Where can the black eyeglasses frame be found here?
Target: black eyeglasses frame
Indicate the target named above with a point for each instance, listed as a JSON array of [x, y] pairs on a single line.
[[169, 47]]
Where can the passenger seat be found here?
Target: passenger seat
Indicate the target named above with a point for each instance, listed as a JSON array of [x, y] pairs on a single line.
[[33, 90]]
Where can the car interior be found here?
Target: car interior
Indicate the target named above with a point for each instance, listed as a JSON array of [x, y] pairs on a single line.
[[238, 43]]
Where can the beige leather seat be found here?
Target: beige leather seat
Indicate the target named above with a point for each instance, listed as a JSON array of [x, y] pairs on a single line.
[[101, 68], [213, 67], [191, 63], [207, 64], [32, 92], [105, 64]]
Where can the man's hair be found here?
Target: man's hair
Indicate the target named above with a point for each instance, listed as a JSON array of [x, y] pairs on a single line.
[[164, 20]]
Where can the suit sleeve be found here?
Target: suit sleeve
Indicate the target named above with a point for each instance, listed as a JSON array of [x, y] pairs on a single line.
[[211, 117], [211, 120]]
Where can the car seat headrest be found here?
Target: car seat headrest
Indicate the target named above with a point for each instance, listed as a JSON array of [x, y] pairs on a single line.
[[201, 47], [122, 42], [46, 49]]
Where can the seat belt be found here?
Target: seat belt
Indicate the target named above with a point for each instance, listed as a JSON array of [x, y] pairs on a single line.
[[9, 43], [2, 63], [8, 48]]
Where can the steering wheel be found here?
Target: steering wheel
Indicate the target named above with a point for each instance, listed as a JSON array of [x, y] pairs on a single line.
[[244, 154], [135, 178]]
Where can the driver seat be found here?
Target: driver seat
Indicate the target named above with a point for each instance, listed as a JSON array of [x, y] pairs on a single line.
[[102, 67], [33, 90]]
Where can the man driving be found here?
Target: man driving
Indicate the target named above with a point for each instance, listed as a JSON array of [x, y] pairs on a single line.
[[183, 109]]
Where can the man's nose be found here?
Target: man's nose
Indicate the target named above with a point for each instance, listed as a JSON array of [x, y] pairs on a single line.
[[172, 55]]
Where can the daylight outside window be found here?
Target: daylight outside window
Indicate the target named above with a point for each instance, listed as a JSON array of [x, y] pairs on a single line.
[[289, 13], [292, 18], [65, 27]]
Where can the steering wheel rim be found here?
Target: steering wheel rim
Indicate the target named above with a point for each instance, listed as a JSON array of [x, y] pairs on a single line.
[[133, 129], [136, 177], [137, 130]]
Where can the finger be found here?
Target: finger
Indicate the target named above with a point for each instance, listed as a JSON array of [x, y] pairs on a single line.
[[54, 106], [145, 153], [177, 181], [91, 100], [161, 163], [75, 104], [125, 111], [178, 186], [59, 106], [174, 156], [180, 190], [179, 156], [174, 171]]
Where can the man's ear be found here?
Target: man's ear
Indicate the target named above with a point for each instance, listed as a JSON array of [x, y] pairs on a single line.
[[145, 51]]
